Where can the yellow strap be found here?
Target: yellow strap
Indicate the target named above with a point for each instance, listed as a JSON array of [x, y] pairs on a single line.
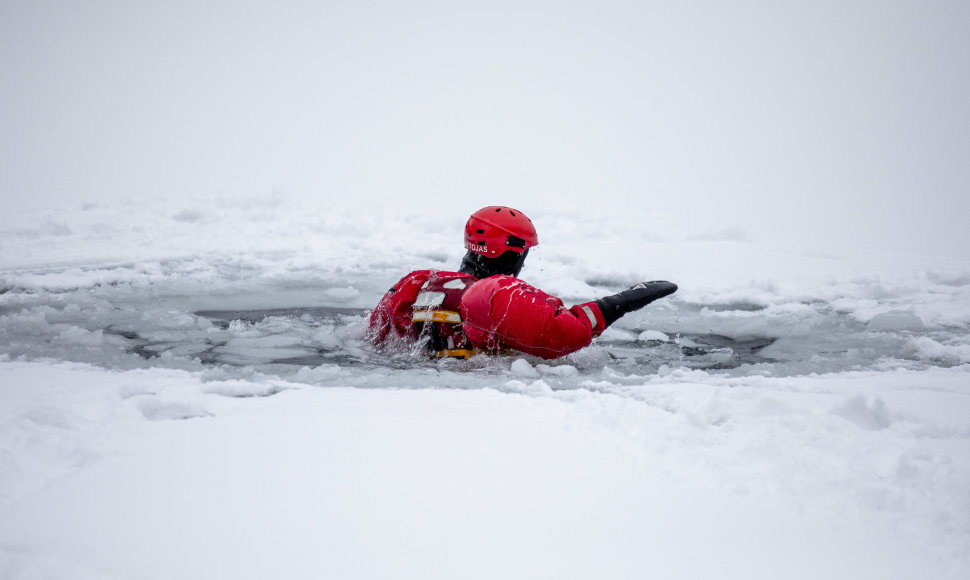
[[444, 316], [436, 316], [456, 353]]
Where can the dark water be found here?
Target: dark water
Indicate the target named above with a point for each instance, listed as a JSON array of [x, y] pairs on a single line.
[[699, 351], [130, 331]]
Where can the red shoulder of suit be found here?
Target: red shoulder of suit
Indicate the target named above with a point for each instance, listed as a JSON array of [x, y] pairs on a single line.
[[505, 312]]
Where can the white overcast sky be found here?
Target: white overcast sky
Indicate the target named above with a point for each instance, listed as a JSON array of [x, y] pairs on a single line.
[[843, 120]]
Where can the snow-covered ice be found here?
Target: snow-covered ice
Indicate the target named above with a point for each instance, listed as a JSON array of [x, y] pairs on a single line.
[[185, 392]]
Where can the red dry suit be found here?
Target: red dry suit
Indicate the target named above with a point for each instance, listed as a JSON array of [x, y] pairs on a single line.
[[462, 315]]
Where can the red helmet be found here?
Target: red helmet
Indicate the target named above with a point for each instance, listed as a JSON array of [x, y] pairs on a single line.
[[493, 230]]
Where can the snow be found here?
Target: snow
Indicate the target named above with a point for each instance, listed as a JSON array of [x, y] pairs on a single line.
[[185, 392], [201, 200], [171, 476]]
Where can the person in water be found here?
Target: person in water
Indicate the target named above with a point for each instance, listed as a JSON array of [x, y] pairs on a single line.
[[485, 308]]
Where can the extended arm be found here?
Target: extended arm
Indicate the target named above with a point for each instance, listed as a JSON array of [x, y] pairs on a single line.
[[503, 312]]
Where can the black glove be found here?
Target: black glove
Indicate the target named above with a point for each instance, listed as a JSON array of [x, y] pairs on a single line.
[[633, 298]]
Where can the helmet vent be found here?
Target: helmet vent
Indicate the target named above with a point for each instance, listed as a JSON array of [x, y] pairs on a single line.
[[515, 242], [480, 231]]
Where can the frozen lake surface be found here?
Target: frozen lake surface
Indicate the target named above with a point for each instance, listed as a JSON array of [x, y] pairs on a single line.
[[177, 375]]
